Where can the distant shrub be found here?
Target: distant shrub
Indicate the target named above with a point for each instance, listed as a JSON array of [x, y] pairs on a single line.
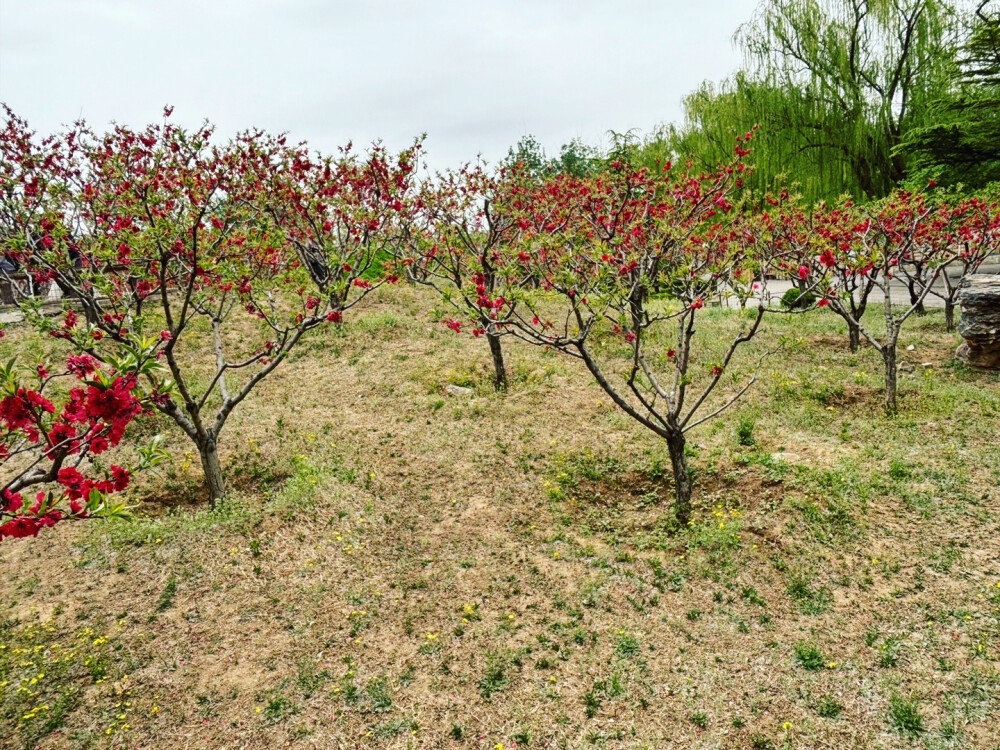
[[794, 299]]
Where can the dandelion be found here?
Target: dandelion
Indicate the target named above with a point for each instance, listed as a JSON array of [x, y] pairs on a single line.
[[787, 726], [831, 665]]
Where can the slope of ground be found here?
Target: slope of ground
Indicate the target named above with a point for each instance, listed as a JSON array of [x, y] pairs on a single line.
[[398, 567]]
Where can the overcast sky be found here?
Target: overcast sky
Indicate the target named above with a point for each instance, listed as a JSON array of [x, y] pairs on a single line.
[[475, 76]]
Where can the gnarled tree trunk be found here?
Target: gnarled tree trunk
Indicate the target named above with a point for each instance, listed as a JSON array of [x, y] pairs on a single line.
[[208, 451], [682, 477], [499, 368]]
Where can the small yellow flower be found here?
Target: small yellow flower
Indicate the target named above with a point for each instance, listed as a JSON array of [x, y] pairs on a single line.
[[831, 665], [787, 726], [159, 541], [555, 554], [154, 710], [552, 679], [510, 617]]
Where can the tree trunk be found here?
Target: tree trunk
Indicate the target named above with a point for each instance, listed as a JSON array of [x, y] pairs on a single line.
[[949, 315], [682, 478], [213, 471], [915, 298], [889, 357], [854, 331], [499, 369]]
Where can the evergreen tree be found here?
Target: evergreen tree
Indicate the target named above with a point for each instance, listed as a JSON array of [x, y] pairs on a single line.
[[962, 143]]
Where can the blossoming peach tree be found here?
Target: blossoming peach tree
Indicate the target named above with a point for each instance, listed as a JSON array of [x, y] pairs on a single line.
[[55, 428], [462, 225], [345, 217], [625, 274], [873, 243], [973, 232], [162, 233], [800, 236]]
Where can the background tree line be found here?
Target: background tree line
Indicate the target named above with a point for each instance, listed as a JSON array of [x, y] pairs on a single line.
[[853, 97]]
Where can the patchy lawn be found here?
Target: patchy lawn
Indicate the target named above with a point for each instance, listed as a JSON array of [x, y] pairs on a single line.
[[399, 567]]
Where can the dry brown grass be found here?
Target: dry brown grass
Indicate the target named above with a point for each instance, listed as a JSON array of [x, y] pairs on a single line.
[[506, 564]]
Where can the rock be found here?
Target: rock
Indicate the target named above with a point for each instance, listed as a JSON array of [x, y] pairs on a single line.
[[458, 390], [927, 365], [910, 348], [979, 296]]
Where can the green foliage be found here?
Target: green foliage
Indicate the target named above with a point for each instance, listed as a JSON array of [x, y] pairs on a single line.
[[794, 299], [575, 158], [833, 85], [960, 145], [904, 714], [167, 597], [626, 646], [495, 678], [808, 656], [829, 708], [745, 426]]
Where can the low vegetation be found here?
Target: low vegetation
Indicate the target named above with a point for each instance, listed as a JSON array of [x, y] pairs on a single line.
[[398, 566]]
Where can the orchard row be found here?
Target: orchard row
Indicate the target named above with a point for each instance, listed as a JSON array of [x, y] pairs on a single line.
[[162, 235]]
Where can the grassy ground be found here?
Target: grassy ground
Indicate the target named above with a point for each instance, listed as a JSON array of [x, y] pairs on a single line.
[[398, 567]]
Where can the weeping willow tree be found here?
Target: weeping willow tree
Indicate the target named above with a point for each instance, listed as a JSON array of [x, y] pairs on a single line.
[[834, 86], [783, 147], [962, 143]]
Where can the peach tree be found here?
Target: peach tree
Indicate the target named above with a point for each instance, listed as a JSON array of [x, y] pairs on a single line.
[[164, 233], [625, 275], [463, 225], [875, 242], [56, 426]]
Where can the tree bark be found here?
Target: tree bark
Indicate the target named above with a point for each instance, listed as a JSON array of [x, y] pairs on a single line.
[[854, 331], [949, 315], [682, 477], [889, 357], [208, 451], [499, 369], [915, 298]]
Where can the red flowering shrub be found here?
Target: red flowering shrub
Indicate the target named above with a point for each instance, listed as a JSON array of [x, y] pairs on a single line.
[[602, 248], [49, 436], [465, 222], [870, 245], [969, 234], [344, 217], [163, 230]]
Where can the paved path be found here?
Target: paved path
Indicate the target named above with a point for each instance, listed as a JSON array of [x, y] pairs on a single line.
[[775, 287]]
